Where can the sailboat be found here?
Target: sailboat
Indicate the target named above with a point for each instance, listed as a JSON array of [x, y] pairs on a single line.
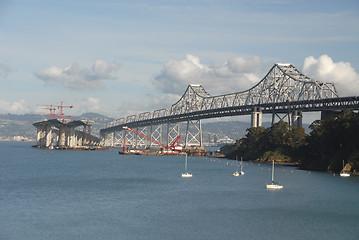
[[274, 185], [186, 173], [238, 173], [241, 172], [344, 174]]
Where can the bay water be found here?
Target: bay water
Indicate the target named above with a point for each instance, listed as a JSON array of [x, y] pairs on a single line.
[[56, 194]]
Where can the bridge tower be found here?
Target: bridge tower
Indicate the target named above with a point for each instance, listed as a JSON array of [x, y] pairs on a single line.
[[297, 119], [256, 118]]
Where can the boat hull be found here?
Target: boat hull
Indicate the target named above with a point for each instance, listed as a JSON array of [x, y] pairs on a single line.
[[345, 174], [186, 175], [274, 186]]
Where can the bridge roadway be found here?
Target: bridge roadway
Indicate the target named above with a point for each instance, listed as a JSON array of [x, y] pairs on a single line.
[[330, 104], [284, 90]]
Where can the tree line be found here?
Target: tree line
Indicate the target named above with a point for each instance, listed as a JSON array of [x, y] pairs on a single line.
[[329, 143]]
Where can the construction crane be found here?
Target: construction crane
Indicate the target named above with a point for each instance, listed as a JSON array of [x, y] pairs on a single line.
[[53, 108], [172, 147], [61, 115]]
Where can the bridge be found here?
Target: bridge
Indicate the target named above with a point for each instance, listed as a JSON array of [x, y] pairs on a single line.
[[284, 92], [62, 134]]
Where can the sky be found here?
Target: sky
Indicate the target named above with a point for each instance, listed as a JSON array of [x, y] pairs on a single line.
[[120, 58]]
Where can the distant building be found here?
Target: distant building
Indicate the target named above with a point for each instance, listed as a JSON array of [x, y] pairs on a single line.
[[226, 140]]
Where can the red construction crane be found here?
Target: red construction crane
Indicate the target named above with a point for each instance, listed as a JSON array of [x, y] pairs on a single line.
[[171, 147], [61, 115], [53, 108]]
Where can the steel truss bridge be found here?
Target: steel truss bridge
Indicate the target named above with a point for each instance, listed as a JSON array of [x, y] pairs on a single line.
[[284, 92]]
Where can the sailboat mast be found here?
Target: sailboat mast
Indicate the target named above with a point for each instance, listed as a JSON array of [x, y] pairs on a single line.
[[241, 165], [273, 172]]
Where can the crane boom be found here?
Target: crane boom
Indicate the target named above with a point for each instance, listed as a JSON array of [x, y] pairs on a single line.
[[172, 147], [145, 136]]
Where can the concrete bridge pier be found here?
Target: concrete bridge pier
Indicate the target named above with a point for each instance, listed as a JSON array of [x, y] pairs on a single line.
[[71, 137], [49, 135], [297, 119], [256, 118], [62, 136], [109, 139], [41, 134]]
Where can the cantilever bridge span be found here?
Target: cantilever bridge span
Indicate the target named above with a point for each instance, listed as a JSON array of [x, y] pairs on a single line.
[[283, 91]]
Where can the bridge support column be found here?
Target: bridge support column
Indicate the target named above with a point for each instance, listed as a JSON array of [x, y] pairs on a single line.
[[173, 132], [71, 137], [194, 134], [141, 142], [108, 139], [48, 135], [256, 119], [80, 139], [86, 136], [41, 133], [62, 136], [156, 134], [297, 119]]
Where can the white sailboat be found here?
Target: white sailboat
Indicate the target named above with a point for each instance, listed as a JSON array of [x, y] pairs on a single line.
[[344, 174], [241, 172], [274, 185], [238, 173], [187, 173]]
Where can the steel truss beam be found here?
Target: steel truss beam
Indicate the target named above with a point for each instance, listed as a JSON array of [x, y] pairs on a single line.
[[194, 134], [173, 132], [141, 142], [284, 89], [119, 137], [156, 134]]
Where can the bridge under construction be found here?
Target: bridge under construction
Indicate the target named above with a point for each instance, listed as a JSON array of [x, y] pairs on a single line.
[[284, 92], [62, 134]]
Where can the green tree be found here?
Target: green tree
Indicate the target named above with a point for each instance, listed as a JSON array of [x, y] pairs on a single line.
[[332, 141]]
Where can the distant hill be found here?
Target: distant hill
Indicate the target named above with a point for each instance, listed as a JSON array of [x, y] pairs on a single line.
[[20, 126]]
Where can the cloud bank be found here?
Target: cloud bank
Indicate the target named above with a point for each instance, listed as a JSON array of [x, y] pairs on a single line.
[[77, 78], [236, 74], [239, 74], [13, 107], [342, 74]]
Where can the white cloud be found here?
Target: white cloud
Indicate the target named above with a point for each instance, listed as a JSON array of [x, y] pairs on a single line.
[[77, 78], [13, 107], [91, 104], [236, 74], [4, 70], [342, 74]]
